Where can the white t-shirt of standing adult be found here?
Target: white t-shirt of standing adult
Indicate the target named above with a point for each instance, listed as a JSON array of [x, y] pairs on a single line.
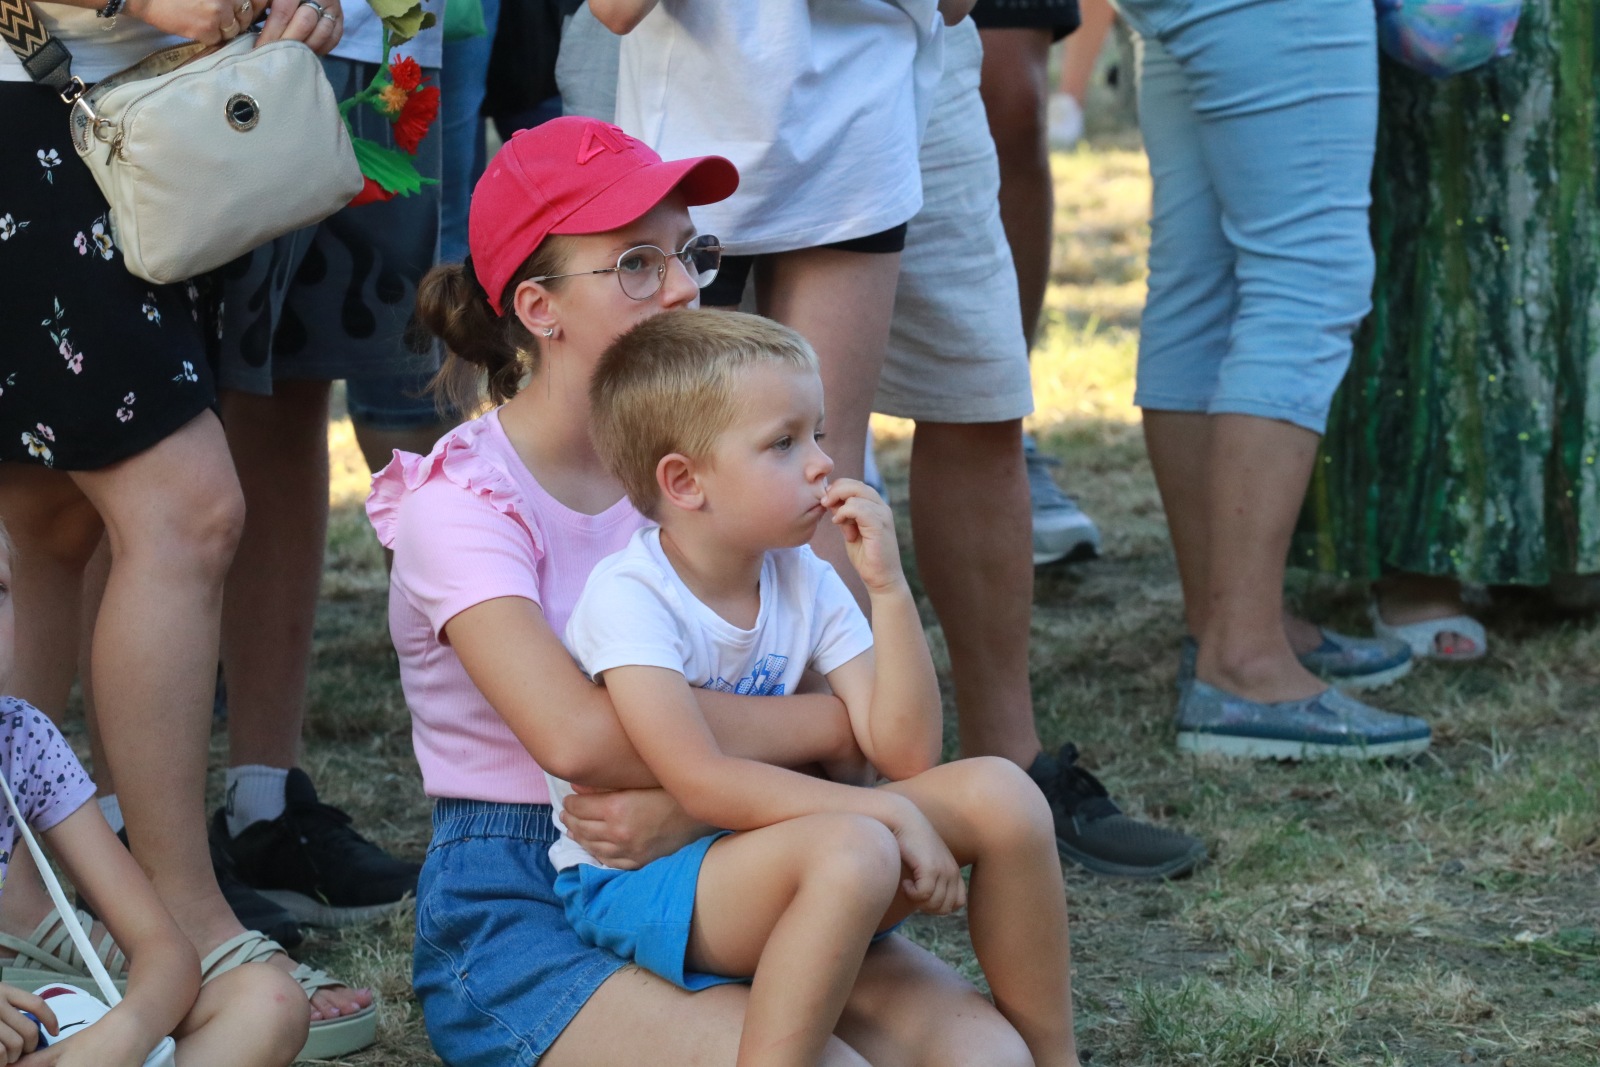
[[636, 611], [820, 104]]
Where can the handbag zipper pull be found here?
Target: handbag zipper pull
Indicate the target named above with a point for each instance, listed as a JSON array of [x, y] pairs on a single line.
[[115, 147]]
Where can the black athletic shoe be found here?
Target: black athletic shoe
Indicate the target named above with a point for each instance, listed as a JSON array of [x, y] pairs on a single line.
[[1092, 832], [254, 911], [312, 862]]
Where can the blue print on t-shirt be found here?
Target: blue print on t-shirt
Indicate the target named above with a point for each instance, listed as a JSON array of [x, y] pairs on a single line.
[[761, 682]]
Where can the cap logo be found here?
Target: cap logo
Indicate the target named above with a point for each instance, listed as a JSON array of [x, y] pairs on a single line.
[[601, 137]]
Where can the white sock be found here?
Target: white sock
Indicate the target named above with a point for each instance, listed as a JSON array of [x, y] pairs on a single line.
[[254, 793], [112, 811]]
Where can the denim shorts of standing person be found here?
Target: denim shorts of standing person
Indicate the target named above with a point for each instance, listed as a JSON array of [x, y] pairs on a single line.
[[1259, 117]]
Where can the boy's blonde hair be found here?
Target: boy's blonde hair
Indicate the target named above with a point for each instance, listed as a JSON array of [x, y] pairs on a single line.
[[667, 386]]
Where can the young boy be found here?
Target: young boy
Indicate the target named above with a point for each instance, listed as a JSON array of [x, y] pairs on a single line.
[[713, 423]]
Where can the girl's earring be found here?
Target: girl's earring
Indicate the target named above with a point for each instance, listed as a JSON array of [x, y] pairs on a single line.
[[549, 331]]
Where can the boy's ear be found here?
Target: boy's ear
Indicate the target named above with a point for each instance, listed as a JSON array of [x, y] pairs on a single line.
[[530, 302], [679, 481]]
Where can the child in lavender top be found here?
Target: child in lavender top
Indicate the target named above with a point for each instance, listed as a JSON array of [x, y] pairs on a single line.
[[250, 1016]]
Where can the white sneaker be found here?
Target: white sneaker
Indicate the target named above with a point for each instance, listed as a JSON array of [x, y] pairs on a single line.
[[1065, 117], [1061, 531]]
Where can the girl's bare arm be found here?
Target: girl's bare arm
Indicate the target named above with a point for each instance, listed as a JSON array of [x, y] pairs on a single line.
[[163, 970], [569, 726]]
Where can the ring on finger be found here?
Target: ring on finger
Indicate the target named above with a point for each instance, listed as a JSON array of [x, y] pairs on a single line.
[[329, 15], [243, 7], [313, 5]]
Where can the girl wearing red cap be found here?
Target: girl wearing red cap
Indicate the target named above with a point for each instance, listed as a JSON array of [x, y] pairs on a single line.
[[577, 232]]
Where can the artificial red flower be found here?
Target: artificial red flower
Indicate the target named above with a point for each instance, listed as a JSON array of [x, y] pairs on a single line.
[[371, 193], [418, 114], [406, 74]]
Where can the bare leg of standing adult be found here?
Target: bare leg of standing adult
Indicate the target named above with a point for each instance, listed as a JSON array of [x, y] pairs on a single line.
[[1014, 85], [974, 562], [1015, 88], [841, 302], [56, 531], [172, 515], [1081, 51], [280, 445]]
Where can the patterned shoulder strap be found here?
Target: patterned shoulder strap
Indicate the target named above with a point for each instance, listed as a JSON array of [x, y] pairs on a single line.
[[45, 58]]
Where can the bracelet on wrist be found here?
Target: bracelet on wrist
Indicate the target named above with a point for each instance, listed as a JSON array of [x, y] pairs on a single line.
[[111, 10]]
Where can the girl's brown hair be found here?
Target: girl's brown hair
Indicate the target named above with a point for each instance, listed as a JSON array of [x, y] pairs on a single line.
[[483, 352]]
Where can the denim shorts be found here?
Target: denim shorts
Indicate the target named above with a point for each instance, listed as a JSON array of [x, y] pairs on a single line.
[[1259, 117], [642, 915], [496, 967], [396, 402]]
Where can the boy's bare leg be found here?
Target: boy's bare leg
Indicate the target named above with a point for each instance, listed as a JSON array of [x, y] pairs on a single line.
[[793, 904], [253, 1016], [993, 817]]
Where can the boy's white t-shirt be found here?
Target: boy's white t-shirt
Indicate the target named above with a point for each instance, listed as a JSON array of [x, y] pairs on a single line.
[[636, 611], [821, 105]]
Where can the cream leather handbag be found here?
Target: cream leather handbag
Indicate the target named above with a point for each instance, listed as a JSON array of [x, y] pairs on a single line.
[[203, 152]]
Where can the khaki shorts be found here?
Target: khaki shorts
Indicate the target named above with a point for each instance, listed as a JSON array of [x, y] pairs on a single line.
[[956, 350]]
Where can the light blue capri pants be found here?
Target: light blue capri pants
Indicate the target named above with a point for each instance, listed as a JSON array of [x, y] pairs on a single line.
[[1259, 117]]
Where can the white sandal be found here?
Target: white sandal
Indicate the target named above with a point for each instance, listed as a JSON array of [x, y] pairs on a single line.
[[1423, 636], [328, 1038], [48, 955]]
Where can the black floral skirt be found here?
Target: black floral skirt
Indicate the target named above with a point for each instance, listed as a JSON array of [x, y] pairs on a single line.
[[95, 364]]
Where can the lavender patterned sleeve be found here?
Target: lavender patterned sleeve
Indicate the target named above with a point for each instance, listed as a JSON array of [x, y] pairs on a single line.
[[47, 779]]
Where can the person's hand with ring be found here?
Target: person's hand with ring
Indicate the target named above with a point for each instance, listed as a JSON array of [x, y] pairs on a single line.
[[319, 23], [210, 21]]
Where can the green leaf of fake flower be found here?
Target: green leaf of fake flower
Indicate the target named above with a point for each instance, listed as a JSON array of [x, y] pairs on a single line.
[[388, 167]]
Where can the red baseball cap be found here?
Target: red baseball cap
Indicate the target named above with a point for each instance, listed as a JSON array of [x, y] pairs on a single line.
[[574, 175]]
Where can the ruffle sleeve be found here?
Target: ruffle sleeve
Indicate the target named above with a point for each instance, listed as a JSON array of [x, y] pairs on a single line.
[[460, 458]]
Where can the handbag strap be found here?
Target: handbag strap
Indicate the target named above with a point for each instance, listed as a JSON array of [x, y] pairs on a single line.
[[43, 56], [69, 919]]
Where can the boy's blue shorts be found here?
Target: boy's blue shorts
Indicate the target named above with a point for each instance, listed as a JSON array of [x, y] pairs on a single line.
[[641, 915], [644, 915]]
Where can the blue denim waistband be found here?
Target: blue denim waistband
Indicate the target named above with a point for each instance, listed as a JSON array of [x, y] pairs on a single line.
[[455, 819]]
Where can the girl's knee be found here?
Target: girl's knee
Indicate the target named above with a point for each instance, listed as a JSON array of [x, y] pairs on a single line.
[[264, 1002], [981, 1037]]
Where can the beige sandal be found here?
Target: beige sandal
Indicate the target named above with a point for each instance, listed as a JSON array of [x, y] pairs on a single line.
[[328, 1037], [48, 955]]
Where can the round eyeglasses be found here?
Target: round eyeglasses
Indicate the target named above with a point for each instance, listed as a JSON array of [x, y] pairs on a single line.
[[642, 269]]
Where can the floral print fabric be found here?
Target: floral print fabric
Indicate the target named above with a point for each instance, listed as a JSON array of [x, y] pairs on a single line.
[[95, 364]]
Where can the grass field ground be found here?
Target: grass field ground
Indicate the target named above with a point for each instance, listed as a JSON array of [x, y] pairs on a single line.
[[1439, 911]]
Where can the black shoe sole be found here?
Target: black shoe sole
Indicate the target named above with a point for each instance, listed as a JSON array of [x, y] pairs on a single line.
[[1177, 867]]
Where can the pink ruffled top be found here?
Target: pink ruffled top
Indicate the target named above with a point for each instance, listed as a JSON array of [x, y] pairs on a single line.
[[468, 523]]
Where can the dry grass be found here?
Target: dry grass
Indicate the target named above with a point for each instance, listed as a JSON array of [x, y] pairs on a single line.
[[1440, 911]]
